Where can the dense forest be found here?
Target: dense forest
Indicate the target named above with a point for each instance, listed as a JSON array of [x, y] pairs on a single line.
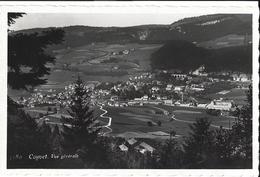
[[186, 56]]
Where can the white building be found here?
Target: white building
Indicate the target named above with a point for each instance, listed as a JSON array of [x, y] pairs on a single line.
[[155, 89], [125, 52], [196, 87], [131, 141], [123, 147], [145, 97], [137, 99], [143, 148], [178, 88], [220, 105], [241, 77], [168, 102], [169, 87], [201, 105], [114, 98], [179, 76]]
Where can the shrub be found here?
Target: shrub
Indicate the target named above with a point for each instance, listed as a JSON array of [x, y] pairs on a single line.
[[55, 110], [213, 112], [149, 123], [172, 133], [159, 123], [49, 109]]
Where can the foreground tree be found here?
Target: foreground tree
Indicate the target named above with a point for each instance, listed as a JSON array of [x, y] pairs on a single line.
[[27, 61], [13, 16], [27, 57], [24, 139], [199, 146], [243, 128], [235, 145], [171, 155], [82, 132], [224, 148]]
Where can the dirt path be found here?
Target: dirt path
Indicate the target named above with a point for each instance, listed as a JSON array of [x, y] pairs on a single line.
[[102, 115], [106, 117]]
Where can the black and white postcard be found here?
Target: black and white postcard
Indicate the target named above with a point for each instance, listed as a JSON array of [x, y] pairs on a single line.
[[143, 88]]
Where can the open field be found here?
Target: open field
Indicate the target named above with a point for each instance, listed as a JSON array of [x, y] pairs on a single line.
[[190, 115], [133, 120], [236, 94], [93, 62], [225, 41], [224, 89]]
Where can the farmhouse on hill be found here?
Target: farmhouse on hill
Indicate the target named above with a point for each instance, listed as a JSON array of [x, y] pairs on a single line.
[[144, 147]]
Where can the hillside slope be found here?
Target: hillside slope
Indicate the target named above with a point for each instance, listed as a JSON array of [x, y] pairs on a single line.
[[208, 27], [186, 56], [220, 41], [196, 29]]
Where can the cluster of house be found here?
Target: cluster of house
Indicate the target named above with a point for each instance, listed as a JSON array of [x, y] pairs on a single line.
[[114, 101], [36, 98], [159, 92], [180, 76], [141, 76], [235, 76], [216, 104], [156, 86], [51, 97], [180, 88], [138, 146], [241, 77]]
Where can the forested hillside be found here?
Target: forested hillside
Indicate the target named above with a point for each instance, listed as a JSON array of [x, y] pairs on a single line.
[[186, 56]]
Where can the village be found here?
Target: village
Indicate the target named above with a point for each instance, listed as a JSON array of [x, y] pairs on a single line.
[[164, 87]]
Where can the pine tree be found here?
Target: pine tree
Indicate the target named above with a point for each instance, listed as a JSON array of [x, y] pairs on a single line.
[[199, 146], [242, 131], [171, 155], [27, 56], [234, 147], [25, 137], [81, 131], [224, 147], [56, 140], [13, 16], [26, 66]]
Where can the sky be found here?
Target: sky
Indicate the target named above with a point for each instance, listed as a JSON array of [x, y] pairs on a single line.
[[41, 20]]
